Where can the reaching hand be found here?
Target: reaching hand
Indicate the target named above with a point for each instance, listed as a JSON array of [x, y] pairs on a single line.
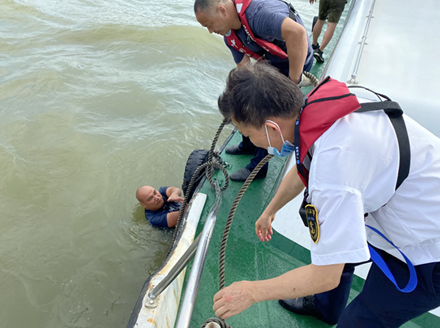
[[233, 299], [263, 227], [175, 198]]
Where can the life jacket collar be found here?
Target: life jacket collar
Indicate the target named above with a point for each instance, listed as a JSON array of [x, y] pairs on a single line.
[[322, 107]]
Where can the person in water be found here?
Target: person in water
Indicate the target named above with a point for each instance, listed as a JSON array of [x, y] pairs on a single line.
[[270, 30], [330, 10], [161, 206], [366, 177]]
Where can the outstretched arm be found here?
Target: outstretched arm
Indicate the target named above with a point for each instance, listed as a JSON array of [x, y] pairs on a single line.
[[296, 43], [307, 280], [174, 194], [290, 187]]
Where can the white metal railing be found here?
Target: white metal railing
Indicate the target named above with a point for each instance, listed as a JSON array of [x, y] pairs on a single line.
[[361, 48], [192, 285]]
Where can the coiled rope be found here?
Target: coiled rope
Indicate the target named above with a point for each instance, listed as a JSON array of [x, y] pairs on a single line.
[[209, 172], [309, 80], [218, 321]]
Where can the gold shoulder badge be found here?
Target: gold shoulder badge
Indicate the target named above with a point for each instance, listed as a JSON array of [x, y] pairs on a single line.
[[313, 223]]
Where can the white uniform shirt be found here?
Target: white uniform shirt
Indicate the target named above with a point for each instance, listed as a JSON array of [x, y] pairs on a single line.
[[354, 171]]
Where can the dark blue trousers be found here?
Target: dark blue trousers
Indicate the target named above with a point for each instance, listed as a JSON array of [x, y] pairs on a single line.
[[259, 154], [380, 304]]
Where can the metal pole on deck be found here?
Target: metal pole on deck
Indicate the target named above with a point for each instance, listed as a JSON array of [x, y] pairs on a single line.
[[361, 48], [192, 286]]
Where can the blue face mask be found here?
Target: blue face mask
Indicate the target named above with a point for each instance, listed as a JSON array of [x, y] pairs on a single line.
[[287, 147]]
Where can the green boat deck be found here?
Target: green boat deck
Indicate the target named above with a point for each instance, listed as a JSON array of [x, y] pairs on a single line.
[[249, 259]]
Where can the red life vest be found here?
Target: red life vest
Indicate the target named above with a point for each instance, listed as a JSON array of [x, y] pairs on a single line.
[[325, 104], [234, 41]]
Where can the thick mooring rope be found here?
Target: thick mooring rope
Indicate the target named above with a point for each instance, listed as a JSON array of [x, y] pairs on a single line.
[[224, 241], [309, 80], [231, 217], [209, 165], [209, 172]]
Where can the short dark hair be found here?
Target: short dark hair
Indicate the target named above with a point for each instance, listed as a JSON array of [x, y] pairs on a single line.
[[258, 91], [206, 6]]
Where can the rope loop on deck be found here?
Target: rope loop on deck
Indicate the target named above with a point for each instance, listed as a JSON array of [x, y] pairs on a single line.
[[218, 321]]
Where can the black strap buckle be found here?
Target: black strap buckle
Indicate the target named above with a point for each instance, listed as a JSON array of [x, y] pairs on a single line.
[[302, 209], [292, 12]]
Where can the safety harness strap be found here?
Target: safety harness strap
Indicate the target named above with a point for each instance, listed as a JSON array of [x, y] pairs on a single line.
[[394, 112]]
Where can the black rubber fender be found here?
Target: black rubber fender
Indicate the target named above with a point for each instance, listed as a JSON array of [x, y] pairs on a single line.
[[195, 159]]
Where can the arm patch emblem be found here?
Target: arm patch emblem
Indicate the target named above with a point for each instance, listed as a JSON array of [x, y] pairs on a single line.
[[313, 223]]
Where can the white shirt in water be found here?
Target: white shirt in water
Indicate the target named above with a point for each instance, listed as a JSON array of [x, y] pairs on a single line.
[[354, 171]]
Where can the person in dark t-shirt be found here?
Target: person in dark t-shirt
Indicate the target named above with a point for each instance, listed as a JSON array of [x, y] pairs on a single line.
[[161, 206], [272, 21]]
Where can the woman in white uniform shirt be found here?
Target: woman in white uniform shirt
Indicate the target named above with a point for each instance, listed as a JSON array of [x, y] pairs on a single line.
[[354, 167]]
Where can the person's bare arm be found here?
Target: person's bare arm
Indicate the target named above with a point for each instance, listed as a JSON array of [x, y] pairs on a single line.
[[244, 61], [296, 43], [172, 218], [307, 280], [174, 194]]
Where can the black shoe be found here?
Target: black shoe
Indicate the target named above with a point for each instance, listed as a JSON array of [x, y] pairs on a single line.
[[242, 174], [318, 55], [303, 305], [315, 47], [237, 150]]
